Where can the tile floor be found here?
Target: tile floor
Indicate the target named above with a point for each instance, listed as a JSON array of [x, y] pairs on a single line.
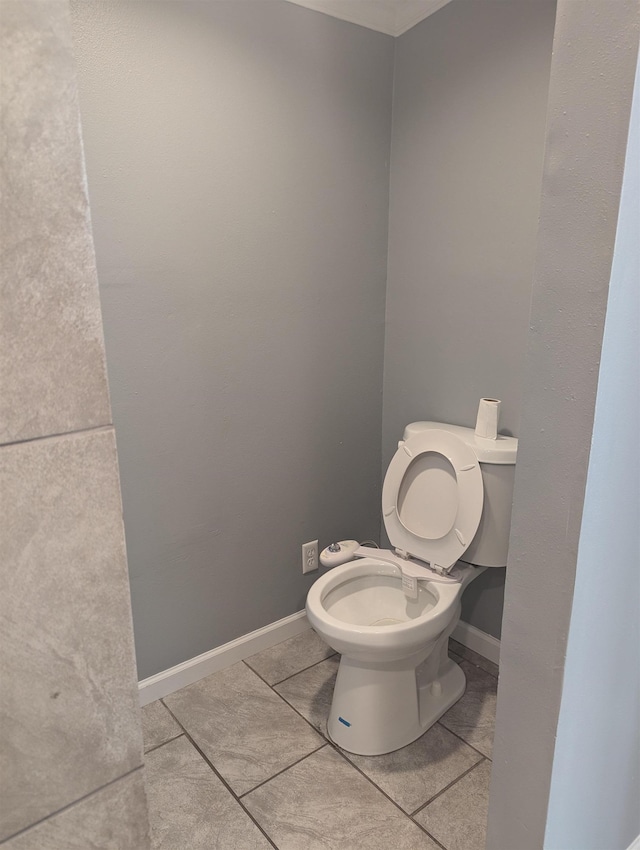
[[240, 761]]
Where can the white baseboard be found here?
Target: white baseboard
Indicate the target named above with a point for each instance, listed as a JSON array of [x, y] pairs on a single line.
[[635, 845], [486, 645], [168, 681]]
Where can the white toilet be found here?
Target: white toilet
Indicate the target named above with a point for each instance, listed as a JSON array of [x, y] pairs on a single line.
[[446, 498]]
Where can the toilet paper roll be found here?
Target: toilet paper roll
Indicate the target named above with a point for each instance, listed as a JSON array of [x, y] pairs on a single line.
[[488, 416]]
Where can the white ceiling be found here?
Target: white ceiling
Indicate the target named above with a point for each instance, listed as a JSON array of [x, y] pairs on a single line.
[[389, 16]]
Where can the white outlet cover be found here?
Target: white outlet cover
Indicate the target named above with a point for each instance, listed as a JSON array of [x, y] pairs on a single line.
[[310, 556]]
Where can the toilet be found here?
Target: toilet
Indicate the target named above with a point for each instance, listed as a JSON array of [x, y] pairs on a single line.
[[446, 504]]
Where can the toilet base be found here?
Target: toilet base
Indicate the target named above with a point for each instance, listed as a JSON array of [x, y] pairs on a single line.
[[380, 709]]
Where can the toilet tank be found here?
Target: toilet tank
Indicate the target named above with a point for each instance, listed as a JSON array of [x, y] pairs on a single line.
[[497, 459]]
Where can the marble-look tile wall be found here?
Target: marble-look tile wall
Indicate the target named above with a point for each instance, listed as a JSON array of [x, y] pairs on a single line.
[[70, 743]]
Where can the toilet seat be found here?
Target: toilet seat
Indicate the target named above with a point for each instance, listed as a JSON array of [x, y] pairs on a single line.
[[415, 477], [378, 641]]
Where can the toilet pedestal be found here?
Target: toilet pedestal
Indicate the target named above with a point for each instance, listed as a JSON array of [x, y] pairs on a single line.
[[379, 708]]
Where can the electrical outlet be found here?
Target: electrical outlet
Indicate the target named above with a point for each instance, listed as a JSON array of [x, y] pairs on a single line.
[[310, 556]]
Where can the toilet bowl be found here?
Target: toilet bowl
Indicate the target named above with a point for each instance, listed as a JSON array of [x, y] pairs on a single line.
[[395, 677], [362, 611], [382, 698], [390, 612]]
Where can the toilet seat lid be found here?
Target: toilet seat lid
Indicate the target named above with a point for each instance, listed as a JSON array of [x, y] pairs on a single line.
[[432, 497]]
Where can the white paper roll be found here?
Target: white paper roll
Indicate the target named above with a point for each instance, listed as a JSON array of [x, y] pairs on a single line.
[[488, 416]]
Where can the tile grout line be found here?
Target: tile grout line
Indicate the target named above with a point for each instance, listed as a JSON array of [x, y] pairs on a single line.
[[337, 750], [460, 738], [236, 796], [447, 787], [328, 739], [221, 778], [292, 707], [284, 770], [168, 741], [286, 678], [483, 757], [70, 805], [326, 742], [383, 792], [432, 837], [106, 426]]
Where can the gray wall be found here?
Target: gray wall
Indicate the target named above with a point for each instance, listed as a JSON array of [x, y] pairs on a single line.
[[604, 776], [592, 75], [237, 156], [70, 742], [470, 96]]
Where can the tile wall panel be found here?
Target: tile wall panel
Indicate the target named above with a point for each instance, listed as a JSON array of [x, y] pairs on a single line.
[[107, 820], [69, 713], [52, 365]]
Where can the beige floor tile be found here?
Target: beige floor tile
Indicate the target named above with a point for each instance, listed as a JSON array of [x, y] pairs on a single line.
[[247, 732], [323, 803], [158, 726], [311, 692], [458, 817], [289, 657], [190, 808], [414, 774]]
